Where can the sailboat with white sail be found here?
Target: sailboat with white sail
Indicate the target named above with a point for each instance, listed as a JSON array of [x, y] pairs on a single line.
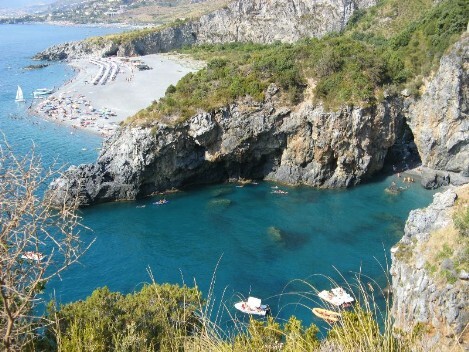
[[19, 95]]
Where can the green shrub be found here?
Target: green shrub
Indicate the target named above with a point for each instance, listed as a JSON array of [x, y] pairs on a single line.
[[156, 318]]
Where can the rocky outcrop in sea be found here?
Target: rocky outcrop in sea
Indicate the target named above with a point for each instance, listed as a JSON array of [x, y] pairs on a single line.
[[258, 21], [430, 294], [245, 140]]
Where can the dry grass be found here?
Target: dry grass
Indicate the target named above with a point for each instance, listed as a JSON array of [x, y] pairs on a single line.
[[446, 251], [463, 195], [446, 236]]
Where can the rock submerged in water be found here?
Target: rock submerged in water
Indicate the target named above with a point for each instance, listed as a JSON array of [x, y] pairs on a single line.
[[36, 67]]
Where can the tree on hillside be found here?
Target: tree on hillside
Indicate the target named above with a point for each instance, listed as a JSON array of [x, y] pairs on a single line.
[[37, 242]]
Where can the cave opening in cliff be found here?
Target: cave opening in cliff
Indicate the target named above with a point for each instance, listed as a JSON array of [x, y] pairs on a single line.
[[404, 153]]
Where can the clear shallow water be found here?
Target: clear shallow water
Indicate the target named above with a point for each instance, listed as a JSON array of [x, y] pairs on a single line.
[[18, 43], [262, 241]]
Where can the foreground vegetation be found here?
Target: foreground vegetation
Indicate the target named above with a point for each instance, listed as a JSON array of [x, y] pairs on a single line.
[[353, 67], [173, 318]]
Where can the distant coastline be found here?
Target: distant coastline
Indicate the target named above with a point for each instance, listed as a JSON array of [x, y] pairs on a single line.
[[72, 24]]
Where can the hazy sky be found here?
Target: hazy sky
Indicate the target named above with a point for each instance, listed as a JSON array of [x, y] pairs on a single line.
[[16, 4]]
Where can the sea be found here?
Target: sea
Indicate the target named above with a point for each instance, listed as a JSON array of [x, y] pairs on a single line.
[[230, 241]]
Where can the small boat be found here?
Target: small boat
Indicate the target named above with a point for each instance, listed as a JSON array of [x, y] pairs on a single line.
[[36, 256], [41, 92], [327, 315], [140, 206], [253, 306], [161, 202], [337, 297], [19, 95], [279, 191]]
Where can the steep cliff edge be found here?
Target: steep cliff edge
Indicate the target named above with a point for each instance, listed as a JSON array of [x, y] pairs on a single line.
[[439, 119], [429, 277], [246, 139], [258, 21]]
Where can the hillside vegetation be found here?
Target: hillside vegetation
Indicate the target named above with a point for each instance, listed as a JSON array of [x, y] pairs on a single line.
[[353, 67]]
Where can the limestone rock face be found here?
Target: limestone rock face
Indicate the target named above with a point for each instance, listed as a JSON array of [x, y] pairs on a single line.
[[259, 21], [418, 296], [440, 118], [267, 21], [246, 139], [336, 149]]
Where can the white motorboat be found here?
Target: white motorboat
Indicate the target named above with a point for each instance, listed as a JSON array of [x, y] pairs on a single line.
[[19, 95], [253, 306], [337, 297], [36, 256], [41, 92]]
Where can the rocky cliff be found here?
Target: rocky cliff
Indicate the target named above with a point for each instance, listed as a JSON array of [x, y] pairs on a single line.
[[262, 21], [303, 144], [430, 290], [259, 21], [439, 119], [161, 41], [308, 145]]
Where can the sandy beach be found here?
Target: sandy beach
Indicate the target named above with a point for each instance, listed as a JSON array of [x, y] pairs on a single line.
[[105, 91]]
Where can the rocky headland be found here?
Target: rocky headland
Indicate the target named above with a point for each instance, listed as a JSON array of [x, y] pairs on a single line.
[[301, 144], [245, 140], [430, 284]]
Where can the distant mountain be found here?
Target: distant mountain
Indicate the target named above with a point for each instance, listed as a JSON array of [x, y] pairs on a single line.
[[152, 12], [18, 4]]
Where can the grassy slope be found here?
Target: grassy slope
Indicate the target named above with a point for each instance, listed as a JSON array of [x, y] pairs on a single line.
[[390, 47]]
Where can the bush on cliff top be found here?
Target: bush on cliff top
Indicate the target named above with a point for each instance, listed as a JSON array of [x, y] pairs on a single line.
[[351, 68]]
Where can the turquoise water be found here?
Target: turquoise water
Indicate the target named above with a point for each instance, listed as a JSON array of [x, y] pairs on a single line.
[[261, 241], [18, 43]]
